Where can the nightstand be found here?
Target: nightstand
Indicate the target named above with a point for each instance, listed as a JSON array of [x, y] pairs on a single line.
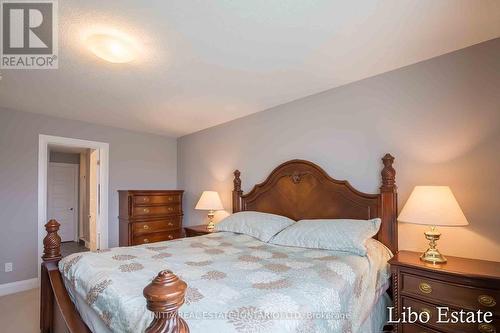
[[461, 283], [197, 230]]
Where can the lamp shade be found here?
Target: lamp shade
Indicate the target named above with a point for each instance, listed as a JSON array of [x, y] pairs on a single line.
[[209, 200], [434, 205]]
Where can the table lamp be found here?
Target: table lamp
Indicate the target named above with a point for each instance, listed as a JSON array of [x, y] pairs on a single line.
[[432, 205], [210, 201]]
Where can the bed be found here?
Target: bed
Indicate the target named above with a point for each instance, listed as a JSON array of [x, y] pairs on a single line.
[[228, 282]]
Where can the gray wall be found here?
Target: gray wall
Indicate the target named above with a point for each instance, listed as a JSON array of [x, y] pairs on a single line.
[[136, 161], [439, 118]]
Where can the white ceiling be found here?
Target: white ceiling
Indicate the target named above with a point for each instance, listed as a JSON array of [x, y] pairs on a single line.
[[207, 62]]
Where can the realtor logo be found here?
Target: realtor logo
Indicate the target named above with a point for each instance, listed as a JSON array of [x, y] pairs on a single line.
[[29, 34]]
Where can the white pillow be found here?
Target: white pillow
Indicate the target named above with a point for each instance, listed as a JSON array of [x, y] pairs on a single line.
[[338, 235], [259, 225]]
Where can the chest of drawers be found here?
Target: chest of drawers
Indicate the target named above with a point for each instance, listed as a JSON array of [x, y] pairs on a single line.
[[149, 216], [460, 284]]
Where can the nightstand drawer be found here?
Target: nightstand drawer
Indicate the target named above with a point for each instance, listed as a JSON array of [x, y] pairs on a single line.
[[140, 228], [156, 210], [453, 294], [157, 237], [197, 230], [420, 306], [414, 328], [194, 234]]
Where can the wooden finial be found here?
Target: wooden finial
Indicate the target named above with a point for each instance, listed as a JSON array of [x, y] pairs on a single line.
[[237, 180], [237, 192], [388, 172], [164, 296], [52, 242], [388, 233]]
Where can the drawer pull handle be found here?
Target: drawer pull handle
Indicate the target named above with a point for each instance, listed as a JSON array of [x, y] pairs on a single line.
[[425, 288], [146, 210], [170, 198], [170, 224], [146, 227], [170, 237], [486, 300], [428, 311], [170, 208], [145, 199], [486, 328], [146, 240]]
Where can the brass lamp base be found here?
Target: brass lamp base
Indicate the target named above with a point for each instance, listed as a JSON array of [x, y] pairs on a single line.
[[211, 224], [432, 254]]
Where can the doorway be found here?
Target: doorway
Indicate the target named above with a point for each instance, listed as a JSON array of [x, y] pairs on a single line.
[[73, 189], [71, 196]]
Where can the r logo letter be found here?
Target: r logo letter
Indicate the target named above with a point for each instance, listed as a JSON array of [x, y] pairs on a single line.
[[35, 21]]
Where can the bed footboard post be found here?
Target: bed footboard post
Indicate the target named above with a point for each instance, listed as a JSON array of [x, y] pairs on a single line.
[[51, 257], [164, 296]]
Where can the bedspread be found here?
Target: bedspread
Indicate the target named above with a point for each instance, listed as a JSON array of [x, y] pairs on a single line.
[[236, 283]]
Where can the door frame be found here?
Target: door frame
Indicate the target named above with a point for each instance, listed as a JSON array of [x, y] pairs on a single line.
[[102, 217], [76, 209]]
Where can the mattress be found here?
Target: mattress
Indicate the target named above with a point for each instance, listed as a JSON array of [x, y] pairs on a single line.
[[235, 284]]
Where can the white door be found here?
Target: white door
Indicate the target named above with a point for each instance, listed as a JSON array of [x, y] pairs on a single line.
[[62, 198]]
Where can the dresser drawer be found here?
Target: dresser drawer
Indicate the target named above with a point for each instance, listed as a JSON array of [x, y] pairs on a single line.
[[453, 294], [156, 199], [421, 306], [140, 228], [156, 210], [156, 237]]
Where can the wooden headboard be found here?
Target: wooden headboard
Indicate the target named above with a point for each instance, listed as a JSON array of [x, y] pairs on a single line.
[[300, 190]]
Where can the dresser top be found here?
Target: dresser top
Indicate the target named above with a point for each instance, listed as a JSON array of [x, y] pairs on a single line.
[[150, 191], [473, 268]]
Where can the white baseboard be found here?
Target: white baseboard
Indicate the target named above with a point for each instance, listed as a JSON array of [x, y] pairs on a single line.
[[18, 286]]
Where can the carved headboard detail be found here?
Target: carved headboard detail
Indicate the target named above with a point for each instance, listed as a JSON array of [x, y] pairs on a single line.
[[300, 189]]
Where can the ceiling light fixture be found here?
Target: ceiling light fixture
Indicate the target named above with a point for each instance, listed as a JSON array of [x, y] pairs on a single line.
[[112, 47]]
